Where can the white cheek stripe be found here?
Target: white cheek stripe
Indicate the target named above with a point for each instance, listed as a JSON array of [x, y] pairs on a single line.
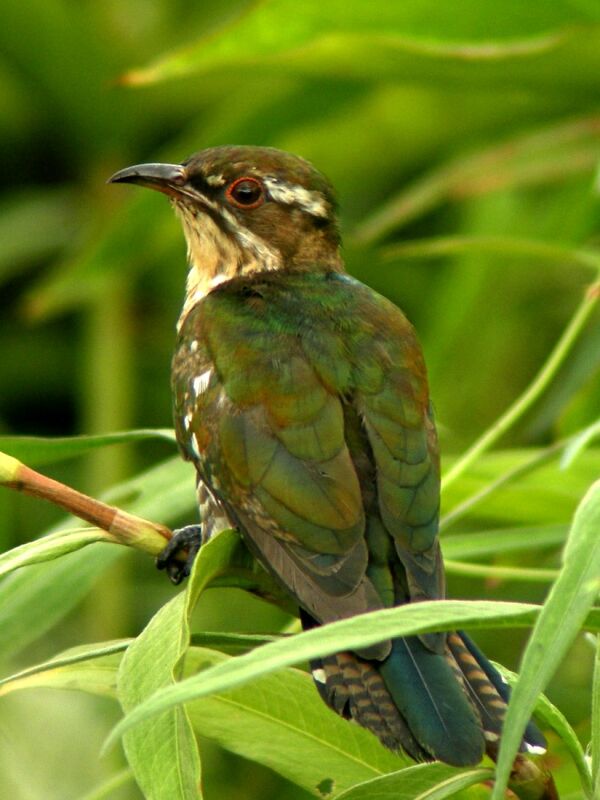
[[293, 194]]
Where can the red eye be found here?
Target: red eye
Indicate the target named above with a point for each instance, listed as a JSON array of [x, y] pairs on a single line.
[[245, 193]]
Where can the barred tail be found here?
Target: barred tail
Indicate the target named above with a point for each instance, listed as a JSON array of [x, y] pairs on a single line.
[[489, 694], [446, 707], [354, 689]]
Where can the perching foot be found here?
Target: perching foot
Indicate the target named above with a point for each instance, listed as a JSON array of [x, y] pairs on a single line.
[[187, 539]]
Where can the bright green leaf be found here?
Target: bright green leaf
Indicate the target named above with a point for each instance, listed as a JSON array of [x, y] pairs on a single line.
[[417, 38], [422, 782], [345, 635], [280, 721], [163, 753], [559, 622], [547, 713], [55, 545], [87, 668]]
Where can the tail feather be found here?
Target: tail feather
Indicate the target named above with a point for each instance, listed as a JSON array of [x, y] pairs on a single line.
[[354, 689], [488, 676], [448, 707], [433, 702]]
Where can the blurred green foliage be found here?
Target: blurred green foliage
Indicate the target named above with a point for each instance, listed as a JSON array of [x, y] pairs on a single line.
[[464, 141]]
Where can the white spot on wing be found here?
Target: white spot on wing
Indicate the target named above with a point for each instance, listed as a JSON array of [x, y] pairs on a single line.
[[200, 383], [193, 346]]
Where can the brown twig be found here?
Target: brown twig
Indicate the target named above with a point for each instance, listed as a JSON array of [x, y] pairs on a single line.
[[123, 527]]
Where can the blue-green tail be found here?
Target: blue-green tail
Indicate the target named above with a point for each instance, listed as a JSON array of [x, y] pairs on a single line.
[[448, 707]]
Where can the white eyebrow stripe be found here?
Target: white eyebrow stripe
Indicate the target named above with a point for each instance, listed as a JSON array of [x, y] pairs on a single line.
[[294, 194]]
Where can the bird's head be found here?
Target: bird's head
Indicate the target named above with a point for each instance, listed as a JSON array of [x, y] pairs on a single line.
[[245, 210]]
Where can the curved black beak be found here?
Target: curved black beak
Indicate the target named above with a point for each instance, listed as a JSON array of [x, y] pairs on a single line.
[[167, 178]]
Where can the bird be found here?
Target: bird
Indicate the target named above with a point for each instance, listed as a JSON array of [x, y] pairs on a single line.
[[301, 398]]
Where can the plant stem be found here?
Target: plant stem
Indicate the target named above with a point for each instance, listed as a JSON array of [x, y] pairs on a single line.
[[498, 571], [123, 527], [507, 477]]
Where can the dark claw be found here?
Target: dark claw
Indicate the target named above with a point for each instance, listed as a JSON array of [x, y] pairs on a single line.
[[188, 539]]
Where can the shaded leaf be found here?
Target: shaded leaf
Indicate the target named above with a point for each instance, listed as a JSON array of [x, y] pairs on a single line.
[[54, 213], [502, 540]]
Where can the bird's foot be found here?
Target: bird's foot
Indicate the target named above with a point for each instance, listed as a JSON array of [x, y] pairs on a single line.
[[188, 540]]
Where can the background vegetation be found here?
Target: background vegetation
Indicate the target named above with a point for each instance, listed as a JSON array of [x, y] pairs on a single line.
[[464, 140]]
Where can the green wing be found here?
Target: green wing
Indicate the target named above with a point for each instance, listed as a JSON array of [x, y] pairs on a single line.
[[305, 408], [267, 436], [393, 400]]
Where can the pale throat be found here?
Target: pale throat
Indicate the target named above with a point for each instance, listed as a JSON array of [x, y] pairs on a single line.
[[214, 256]]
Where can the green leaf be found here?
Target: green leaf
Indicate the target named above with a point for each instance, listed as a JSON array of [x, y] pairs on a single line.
[[281, 722], [411, 40], [37, 450], [502, 540], [344, 635], [531, 252], [347, 634], [501, 572], [545, 496], [163, 494], [88, 668], [561, 618], [106, 790], [55, 545], [579, 443], [293, 732], [555, 719], [163, 754], [56, 587], [422, 782], [548, 154]]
